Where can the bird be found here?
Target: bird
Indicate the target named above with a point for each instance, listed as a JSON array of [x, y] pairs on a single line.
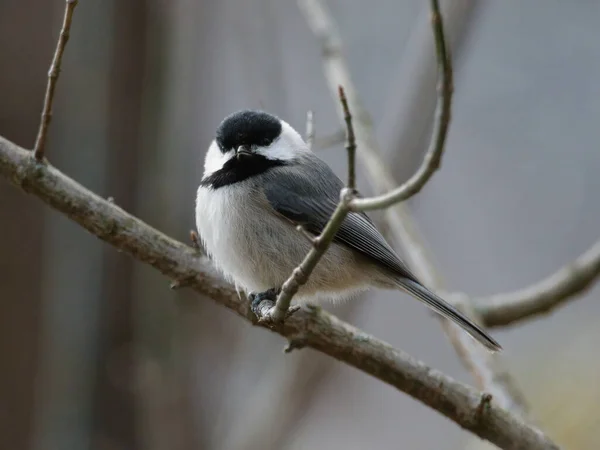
[[260, 182]]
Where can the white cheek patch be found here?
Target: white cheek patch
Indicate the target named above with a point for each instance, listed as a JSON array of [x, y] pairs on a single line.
[[278, 150], [286, 147], [215, 159]]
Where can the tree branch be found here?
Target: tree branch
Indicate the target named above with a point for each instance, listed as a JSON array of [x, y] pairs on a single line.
[[409, 109], [433, 156], [541, 298], [320, 243], [337, 74], [348, 202], [300, 275], [319, 330], [350, 139], [399, 219], [40, 141]]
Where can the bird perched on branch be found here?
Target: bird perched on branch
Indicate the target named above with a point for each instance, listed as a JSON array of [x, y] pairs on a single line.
[[260, 181]]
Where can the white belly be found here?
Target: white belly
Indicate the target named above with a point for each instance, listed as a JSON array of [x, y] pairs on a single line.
[[257, 251], [231, 224]]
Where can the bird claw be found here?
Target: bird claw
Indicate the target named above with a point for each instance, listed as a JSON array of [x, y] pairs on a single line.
[[261, 303]]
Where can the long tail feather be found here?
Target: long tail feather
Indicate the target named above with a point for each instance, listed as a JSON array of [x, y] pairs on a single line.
[[445, 309]]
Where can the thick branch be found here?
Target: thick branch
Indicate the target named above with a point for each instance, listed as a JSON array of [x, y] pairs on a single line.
[[53, 74], [319, 330], [542, 297]]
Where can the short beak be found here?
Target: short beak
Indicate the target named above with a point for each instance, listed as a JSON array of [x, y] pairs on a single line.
[[243, 152]]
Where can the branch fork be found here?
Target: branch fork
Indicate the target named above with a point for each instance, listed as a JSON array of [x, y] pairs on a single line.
[[53, 73]]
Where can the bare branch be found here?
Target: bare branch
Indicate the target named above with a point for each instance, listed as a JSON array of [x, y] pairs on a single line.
[[431, 162], [409, 109], [401, 223], [350, 139], [541, 298], [319, 330], [321, 243], [301, 273], [433, 156], [40, 141], [337, 74]]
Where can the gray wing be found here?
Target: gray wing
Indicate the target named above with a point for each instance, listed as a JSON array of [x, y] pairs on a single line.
[[308, 192]]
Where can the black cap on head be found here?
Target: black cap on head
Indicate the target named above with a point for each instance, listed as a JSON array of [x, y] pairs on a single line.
[[248, 128]]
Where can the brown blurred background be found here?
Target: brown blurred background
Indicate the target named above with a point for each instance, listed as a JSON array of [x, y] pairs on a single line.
[[97, 353]]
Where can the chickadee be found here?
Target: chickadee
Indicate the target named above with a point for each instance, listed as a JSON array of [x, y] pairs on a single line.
[[261, 181]]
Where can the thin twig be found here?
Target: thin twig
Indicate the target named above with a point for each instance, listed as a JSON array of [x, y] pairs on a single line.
[[40, 141], [320, 245], [310, 130], [350, 139], [433, 156], [406, 123], [542, 297], [321, 331], [482, 364], [400, 221], [337, 73]]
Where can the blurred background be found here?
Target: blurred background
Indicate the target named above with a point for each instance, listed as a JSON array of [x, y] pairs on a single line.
[[97, 353]]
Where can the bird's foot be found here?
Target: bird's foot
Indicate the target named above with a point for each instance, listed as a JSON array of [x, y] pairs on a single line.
[[262, 304]]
